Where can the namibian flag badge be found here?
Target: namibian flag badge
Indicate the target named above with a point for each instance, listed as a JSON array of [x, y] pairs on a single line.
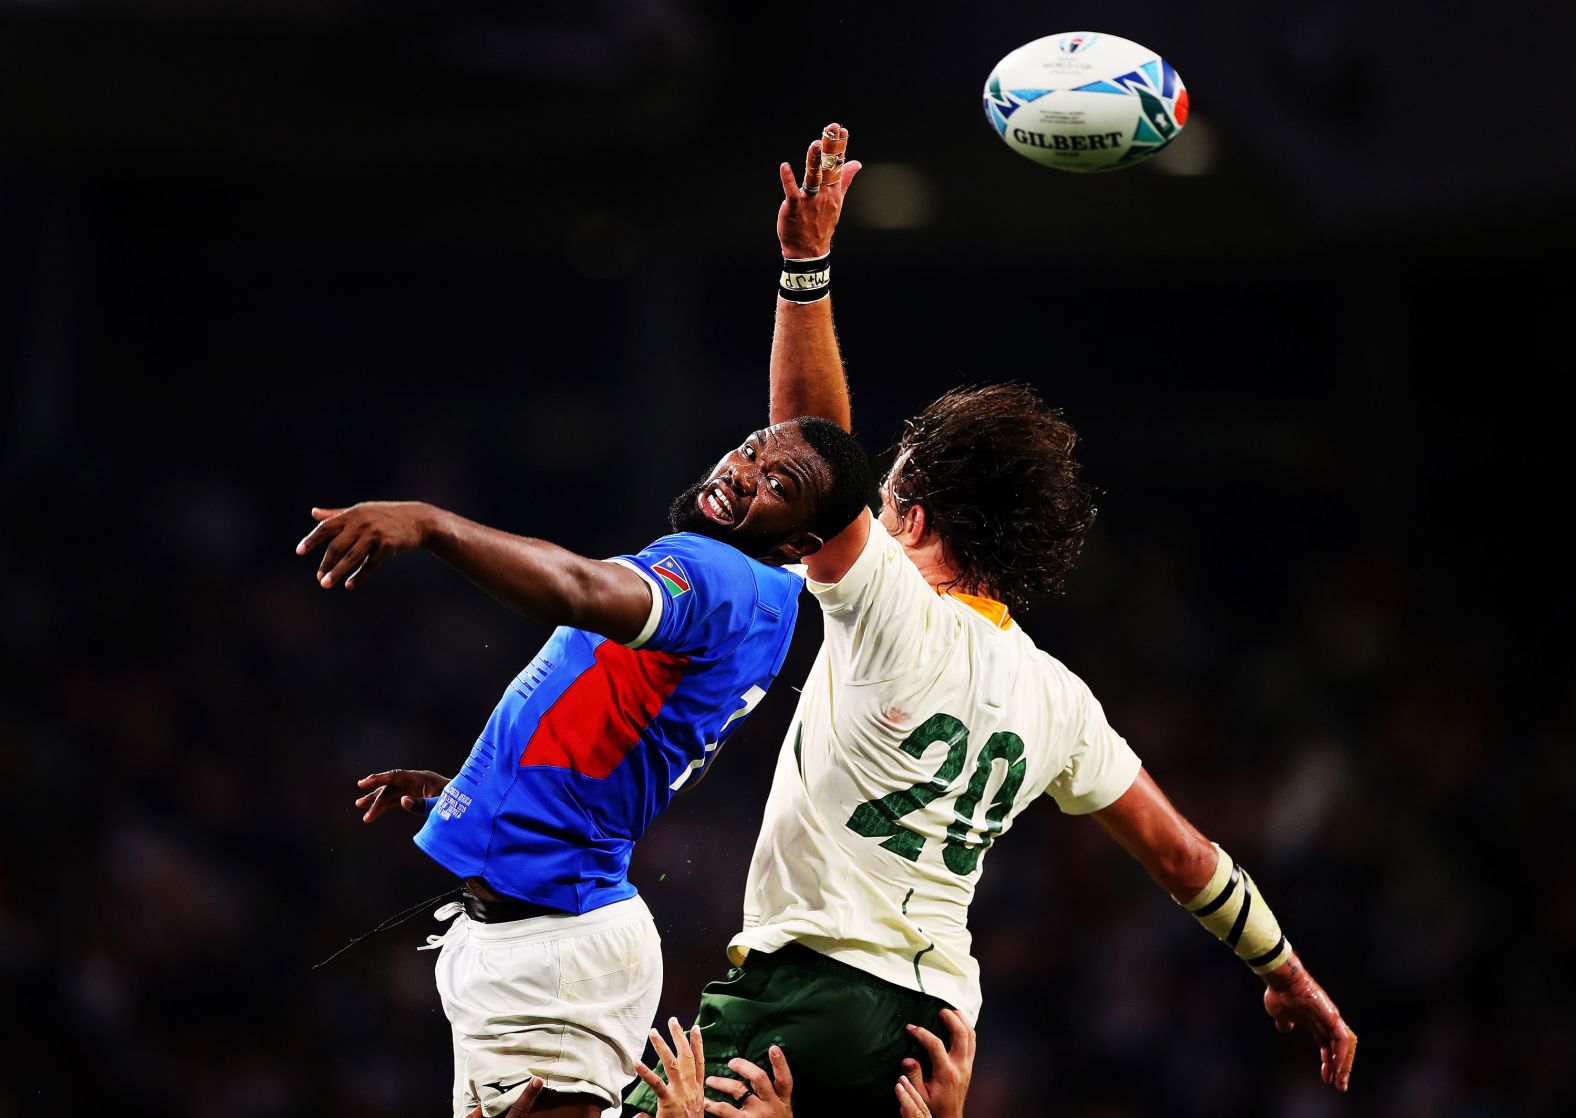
[[677, 580]]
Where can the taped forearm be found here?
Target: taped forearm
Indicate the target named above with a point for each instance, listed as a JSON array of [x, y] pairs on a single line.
[[1231, 908]]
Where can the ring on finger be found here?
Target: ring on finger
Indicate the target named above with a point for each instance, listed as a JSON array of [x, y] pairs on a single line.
[[742, 1099]]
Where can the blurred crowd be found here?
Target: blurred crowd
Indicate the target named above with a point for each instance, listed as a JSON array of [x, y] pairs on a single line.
[[521, 264], [185, 714]]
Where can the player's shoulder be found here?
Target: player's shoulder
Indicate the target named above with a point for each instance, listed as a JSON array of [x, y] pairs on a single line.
[[1058, 684], [691, 556]]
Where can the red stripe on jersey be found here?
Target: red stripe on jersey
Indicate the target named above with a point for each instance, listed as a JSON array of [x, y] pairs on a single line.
[[599, 717]]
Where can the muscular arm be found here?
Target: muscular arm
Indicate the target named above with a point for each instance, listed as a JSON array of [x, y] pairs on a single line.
[[1183, 863], [1172, 851], [806, 367], [538, 579], [542, 580]]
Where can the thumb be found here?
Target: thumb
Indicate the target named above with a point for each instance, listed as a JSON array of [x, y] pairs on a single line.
[[1284, 1024], [522, 1105]]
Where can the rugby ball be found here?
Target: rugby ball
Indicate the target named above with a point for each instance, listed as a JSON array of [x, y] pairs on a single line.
[[1085, 101]]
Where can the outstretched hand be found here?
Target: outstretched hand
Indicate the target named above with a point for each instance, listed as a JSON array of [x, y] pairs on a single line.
[[361, 537], [940, 1095], [522, 1105], [808, 216], [1293, 998], [682, 1095], [760, 1095], [409, 788]]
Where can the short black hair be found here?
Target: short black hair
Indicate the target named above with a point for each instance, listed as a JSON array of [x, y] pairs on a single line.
[[993, 468], [851, 487]]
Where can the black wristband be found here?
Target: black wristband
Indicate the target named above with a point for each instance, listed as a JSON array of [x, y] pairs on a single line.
[[806, 281]]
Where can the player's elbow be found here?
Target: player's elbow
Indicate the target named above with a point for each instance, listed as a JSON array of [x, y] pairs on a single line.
[[1184, 866]]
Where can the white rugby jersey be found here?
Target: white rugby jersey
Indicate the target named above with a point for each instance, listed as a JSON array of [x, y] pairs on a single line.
[[927, 723]]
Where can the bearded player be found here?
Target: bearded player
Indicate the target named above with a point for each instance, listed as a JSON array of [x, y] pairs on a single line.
[[928, 722], [552, 967]]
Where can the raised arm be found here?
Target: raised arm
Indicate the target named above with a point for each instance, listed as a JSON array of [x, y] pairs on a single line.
[[536, 578], [806, 368], [1224, 898]]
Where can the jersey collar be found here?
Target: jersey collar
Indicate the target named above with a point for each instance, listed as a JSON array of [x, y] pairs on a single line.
[[989, 608]]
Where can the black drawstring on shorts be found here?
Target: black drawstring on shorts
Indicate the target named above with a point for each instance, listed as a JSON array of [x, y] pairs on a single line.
[[393, 922]]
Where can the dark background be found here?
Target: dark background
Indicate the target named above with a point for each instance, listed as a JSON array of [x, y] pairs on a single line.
[[518, 260]]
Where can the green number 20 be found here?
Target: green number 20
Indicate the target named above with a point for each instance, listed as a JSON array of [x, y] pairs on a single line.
[[879, 818]]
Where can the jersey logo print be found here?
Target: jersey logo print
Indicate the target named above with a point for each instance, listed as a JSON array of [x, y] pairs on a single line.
[[673, 576], [504, 1088], [599, 718]]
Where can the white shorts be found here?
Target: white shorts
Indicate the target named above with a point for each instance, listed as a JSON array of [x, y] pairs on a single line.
[[568, 998]]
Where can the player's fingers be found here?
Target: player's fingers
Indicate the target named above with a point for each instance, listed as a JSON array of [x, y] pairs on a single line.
[[664, 1053], [1284, 1024], [337, 547], [699, 1051], [722, 1109], [914, 1074], [759, 1081], [781, 1076], [347, 564], [379, 805], [684, 1059], [522, 1105], [652, 1080], [932, 1044], [373, 560], [812, 168], [1345, 1055], [850, 169], [413, 805], [324, 514], [911, 1104], [323, 531], [960, 1035], [372, 779], [726, 1086], [790, 184]]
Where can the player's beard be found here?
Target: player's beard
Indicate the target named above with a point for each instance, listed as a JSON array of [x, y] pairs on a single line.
[[685, 516]]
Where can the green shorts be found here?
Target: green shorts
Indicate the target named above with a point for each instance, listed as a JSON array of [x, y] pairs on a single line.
[[840, 1029]]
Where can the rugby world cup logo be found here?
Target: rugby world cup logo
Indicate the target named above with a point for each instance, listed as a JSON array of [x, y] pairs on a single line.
[[1072, 44]]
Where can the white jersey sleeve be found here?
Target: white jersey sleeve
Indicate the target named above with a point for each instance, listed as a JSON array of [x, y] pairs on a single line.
[[1100, 766]]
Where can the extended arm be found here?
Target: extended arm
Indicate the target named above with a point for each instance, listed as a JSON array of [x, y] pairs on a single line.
[[806, 367], [538, 579], [1223, 897]]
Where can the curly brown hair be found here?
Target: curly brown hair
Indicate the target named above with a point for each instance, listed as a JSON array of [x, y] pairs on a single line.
[[993, 467]]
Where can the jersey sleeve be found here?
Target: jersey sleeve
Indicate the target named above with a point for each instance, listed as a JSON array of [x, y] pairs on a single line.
[[880, 614], [1100, 765], [703, 594]]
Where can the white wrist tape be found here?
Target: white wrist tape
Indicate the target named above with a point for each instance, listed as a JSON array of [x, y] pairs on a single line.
[[1230, 907], [806, 281]]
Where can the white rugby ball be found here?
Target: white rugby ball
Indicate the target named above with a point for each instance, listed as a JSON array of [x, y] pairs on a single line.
[[1085, 101]]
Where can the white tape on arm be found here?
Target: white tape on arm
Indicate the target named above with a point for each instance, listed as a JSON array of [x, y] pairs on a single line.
[[1234, 914]]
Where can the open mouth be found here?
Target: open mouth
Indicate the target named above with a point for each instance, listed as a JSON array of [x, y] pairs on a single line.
[[716, 504]]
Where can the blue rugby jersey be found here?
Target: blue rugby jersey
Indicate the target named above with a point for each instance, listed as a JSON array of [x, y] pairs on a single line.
[[591, 741]]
